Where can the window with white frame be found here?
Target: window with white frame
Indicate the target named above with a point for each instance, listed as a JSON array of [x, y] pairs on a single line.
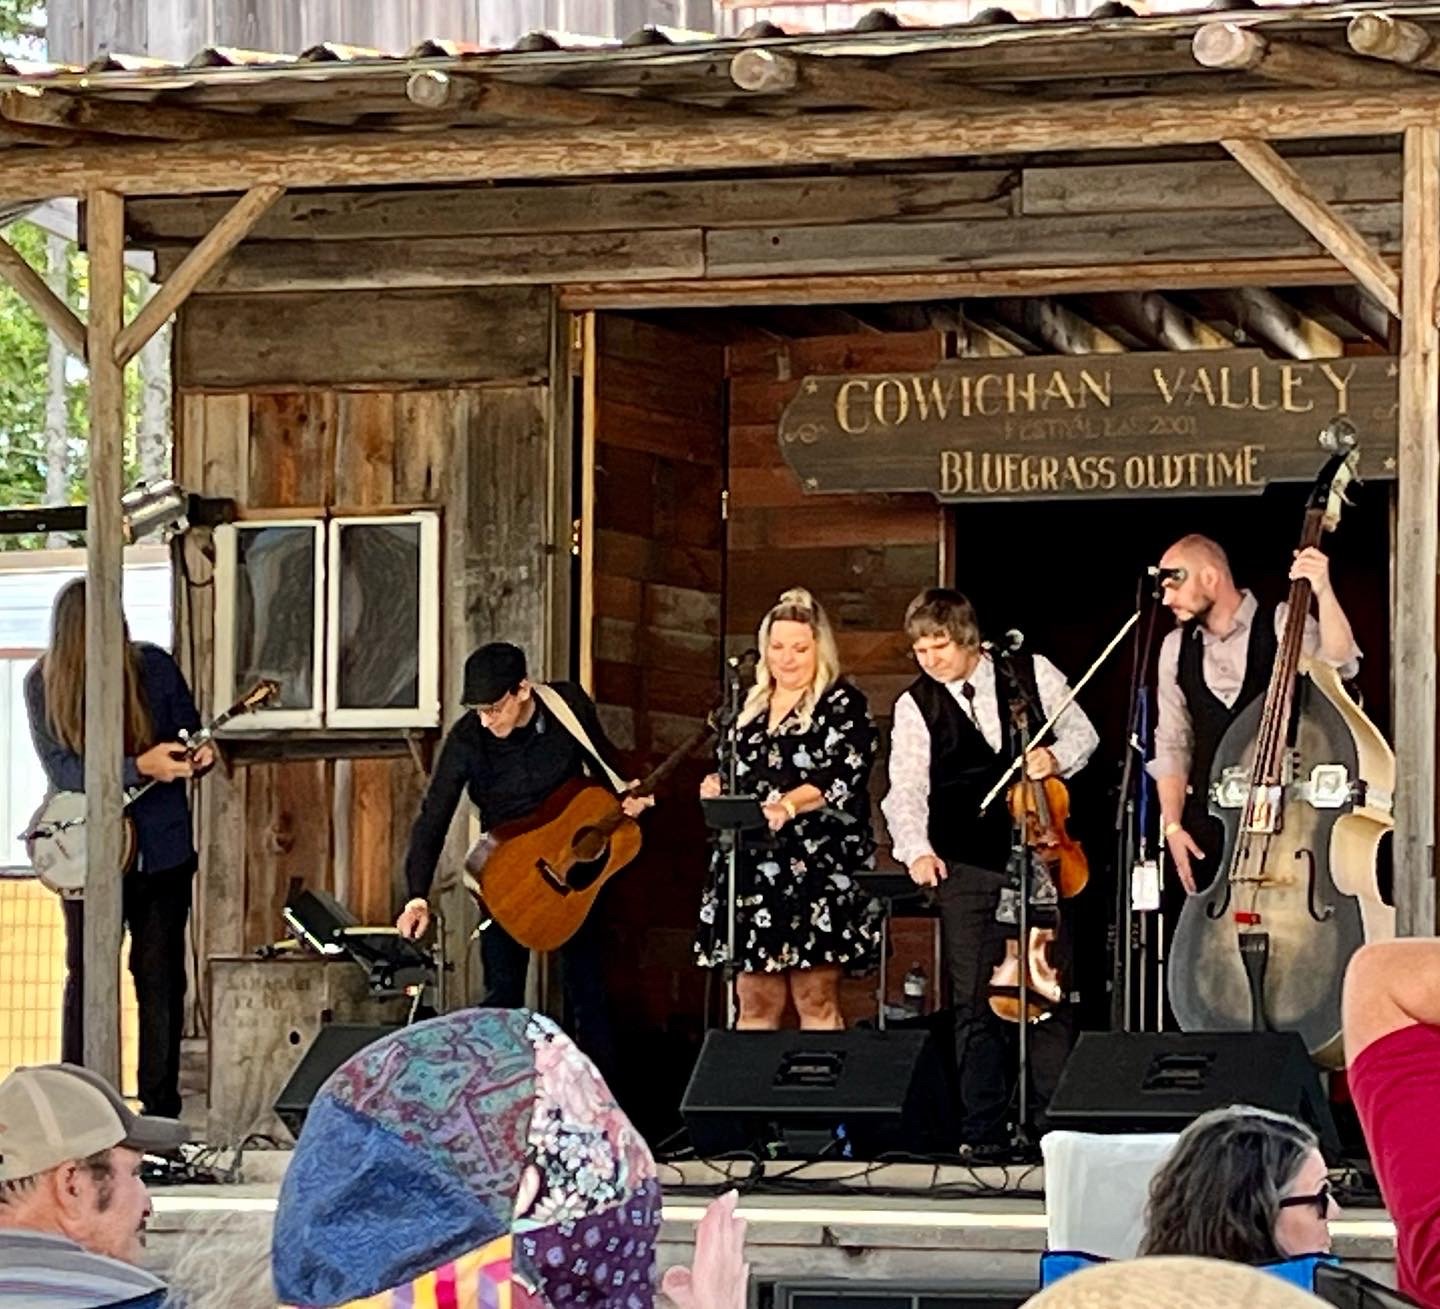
[[343, 613]]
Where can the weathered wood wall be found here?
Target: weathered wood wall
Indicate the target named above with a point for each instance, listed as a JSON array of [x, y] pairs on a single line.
[[339, 817], [863, 556], [1110, 221], [659, 419]]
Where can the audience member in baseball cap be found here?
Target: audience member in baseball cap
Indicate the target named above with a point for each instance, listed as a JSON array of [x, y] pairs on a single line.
[[72, 1206], [479, 1159]]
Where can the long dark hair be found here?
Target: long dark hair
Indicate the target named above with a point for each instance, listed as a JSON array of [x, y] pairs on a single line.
[[1218, 1194], [62, 668]]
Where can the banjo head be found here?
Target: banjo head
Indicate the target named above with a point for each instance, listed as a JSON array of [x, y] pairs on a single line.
[[58, 857]]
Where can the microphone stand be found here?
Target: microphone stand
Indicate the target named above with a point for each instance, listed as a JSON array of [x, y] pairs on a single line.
[[1130, 843], [1020, 703], [1019, 852], [728, 838]]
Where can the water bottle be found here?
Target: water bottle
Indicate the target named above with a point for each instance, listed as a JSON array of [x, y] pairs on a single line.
[[914, 987]]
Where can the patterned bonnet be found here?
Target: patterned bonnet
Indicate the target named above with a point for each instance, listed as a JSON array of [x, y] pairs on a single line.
[[475, 1161]]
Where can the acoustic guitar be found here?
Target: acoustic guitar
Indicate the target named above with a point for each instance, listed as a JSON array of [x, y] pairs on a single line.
[[538, 876]]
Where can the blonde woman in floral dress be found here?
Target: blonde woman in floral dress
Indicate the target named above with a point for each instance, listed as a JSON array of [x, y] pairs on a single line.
[[804, 744]]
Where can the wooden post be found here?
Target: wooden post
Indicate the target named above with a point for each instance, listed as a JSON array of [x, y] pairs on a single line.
[[1417, 539], [104, 675]]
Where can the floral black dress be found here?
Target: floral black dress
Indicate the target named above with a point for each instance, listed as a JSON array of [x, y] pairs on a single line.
[[800, 904]]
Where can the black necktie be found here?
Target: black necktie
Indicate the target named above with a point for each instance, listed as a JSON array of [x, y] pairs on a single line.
[[968, 691]]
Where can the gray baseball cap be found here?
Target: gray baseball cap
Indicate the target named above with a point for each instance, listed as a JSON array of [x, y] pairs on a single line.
[[55, 1113]]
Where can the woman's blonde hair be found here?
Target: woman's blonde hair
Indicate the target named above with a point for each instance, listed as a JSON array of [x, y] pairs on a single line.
[[62, 670], [797, 605]]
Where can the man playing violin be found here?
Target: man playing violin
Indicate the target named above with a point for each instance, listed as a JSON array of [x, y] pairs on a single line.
[[1215, 663], [511, 754], [952, 739]]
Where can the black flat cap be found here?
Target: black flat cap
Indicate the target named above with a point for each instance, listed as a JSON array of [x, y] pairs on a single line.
[[492, 672]]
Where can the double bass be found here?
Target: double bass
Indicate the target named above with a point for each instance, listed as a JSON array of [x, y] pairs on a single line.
[[1303, 784]]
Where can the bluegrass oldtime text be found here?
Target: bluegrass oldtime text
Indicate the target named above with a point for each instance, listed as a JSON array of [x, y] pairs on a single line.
[[1106, 425]]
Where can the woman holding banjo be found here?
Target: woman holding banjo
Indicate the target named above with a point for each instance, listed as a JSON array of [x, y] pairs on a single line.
[[157, 888]]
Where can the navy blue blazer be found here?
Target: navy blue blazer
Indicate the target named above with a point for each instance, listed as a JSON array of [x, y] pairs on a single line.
[[162, 814]]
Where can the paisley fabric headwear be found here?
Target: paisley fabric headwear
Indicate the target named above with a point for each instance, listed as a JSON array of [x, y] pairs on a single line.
[[475, 1160]]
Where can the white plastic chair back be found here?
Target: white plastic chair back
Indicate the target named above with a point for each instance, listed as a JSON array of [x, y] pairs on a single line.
[[1095, 1189]]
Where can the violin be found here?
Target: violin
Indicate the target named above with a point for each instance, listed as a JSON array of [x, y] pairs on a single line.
[[1040, 809]]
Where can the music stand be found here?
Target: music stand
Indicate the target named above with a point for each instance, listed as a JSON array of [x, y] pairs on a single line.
[[729, 816]]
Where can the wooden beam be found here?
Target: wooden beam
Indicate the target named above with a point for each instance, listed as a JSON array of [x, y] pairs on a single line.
[[104, 637], [847, 81], [473, 261], [1057, 328], [375, 159], [459, 93], [1417, 540], [1165, 275], [1383, 36], [1228, 46], [1296, 196], [1272, 321], [617, 206], [218, 242], [84, 114], [1154, 318], [32, 288]]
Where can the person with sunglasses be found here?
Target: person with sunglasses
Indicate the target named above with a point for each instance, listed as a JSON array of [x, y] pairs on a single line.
[[1243, 1184]]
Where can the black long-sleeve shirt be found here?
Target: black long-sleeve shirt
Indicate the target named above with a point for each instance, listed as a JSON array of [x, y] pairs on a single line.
[[505, 778]]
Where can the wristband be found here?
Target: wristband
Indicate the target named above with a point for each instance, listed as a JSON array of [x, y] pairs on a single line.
[[788, 805], [1170, 829]]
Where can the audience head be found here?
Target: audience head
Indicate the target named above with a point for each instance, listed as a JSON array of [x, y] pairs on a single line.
[[478, 1150], [797, 653], [70, 1155], [1172, 1283], [944, 636], [1243, 1184], [1203, 579]]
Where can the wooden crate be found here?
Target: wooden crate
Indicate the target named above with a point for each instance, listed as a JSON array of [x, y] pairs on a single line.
[[264, 1014]]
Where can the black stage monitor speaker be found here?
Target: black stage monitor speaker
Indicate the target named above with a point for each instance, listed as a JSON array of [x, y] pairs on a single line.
[[1160, 1081], [856, 1094], [331, 1048]]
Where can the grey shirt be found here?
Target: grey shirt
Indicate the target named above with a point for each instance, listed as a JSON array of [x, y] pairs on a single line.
[[1223, 666]]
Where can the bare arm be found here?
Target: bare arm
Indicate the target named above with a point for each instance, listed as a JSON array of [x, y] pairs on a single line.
[[1389, 986]]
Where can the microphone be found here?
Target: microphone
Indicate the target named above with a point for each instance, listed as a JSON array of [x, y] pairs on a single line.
[[1162, 576], [743, 665], [1012, 641]]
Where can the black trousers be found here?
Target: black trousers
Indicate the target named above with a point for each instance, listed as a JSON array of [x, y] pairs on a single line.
[[582, 978], [155, 908], [987, 1047]]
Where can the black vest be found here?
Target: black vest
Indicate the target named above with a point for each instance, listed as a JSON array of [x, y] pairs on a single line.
[[963, 768], [1210, 716]]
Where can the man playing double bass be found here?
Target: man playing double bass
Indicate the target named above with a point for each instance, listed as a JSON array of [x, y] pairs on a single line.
[[952, 739], [511, 754], [1215, 663]]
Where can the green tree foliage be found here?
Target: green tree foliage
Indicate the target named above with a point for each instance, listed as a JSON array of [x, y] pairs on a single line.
[[22, 26], [23, 364]]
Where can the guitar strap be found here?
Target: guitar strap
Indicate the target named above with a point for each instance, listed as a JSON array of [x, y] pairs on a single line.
[[565, 716]]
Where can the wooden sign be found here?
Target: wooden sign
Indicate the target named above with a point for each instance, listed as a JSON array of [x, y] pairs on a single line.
[[1205, 423]]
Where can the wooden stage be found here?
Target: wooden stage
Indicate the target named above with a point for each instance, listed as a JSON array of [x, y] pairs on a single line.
[[919, 1234]]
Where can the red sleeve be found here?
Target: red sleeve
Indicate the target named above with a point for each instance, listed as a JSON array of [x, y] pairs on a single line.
[[1396, 1087]]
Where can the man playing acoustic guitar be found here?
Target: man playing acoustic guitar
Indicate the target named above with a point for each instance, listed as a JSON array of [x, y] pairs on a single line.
[[511, 754]]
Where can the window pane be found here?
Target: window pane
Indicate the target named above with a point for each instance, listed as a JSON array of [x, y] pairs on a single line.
[[275, 612], [379, 617]]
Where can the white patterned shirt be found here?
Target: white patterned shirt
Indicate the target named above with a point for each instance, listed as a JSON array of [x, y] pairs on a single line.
[[906, 805]]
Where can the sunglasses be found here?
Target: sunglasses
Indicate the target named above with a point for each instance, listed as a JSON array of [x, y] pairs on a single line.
[[1320, 1201]]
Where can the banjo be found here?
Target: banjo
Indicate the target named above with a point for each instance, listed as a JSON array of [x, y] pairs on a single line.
[[55, 836]]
